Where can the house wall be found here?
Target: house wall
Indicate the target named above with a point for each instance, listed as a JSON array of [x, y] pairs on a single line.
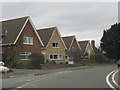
[[74, 51], [51, 50], [35, 48]]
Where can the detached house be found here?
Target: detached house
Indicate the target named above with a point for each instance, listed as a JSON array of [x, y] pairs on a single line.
[[54, 49], [74, 50], [87, 49], [21, 33]]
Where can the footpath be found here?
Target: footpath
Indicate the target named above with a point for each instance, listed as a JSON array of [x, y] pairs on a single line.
[[34, 72]]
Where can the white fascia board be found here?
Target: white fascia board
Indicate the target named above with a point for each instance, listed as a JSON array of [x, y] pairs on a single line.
[[35, 31], [21, 31], [50, 38], [61, 38], [71, 43]]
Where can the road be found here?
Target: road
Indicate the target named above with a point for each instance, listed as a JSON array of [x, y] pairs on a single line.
[[92, 77]]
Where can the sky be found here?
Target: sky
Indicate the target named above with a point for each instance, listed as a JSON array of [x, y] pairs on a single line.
[[85, 20]]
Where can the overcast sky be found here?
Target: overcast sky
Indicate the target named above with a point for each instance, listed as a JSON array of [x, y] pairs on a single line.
[[86, 20]]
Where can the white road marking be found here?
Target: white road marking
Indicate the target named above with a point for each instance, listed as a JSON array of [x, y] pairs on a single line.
[[55, 74], [113, 78], [28, 80], [108, 81], [31, 82], [70, 71]]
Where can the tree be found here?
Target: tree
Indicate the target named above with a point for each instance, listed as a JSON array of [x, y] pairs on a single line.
[[110, 42], [10, 55], [36, 60], [74, 54]]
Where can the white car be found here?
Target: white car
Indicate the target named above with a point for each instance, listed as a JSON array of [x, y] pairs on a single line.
[[3, 69]]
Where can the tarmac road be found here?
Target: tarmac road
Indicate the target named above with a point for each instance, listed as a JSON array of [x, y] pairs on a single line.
[[90, 77]]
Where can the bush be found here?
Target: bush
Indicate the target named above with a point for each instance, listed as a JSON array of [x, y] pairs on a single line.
[[98, 58], [61, 63], [36, 60], [10, 55], [53, 62], [19, 65], [50, 62], [83, 61]]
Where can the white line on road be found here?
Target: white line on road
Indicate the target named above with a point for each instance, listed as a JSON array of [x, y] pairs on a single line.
[[113, 78], [108, 81], [55, 74], [70, 71], [28, 80], [31, 82]]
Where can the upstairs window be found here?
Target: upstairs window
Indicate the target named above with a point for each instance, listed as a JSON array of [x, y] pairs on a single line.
[[28, 40], [55, 45]]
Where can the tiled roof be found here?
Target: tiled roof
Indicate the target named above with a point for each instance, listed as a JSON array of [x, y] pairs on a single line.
[[11, 29], [83, 45], [68, 40], [45, 34]]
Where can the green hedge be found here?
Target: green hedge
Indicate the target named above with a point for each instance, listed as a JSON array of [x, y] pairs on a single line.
[[97, 58]]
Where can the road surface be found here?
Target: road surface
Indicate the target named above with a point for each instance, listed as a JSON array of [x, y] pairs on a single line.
[[92, 77]]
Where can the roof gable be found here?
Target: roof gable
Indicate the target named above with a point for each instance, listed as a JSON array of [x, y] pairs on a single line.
[[68, 40], [83, 45], [11, 29], [45, 34]]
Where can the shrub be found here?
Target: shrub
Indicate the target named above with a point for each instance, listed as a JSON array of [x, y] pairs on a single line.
[[98, 58], [9, 56], [53, 62], [50, 62], [61, 63], [19, 65], [36, 60], [83, 61]]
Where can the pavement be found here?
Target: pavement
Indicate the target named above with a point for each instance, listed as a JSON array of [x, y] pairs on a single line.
[[35, 72]]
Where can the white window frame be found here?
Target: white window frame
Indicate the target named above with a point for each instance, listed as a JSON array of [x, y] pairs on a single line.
[[59, 56], [55, 45], [26, 54], [29, 40]]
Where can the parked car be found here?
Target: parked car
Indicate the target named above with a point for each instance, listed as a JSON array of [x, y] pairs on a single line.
[[118, 63], [3, 69]]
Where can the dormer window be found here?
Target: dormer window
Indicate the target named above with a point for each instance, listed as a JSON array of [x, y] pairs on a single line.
[[55, 45], [28, 40]]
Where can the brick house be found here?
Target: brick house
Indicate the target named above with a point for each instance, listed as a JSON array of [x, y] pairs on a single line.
[[87, 48], [20, 33], [54, 49], [74, 50]]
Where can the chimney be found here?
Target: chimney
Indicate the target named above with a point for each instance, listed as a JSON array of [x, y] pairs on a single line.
[[93, 43]]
